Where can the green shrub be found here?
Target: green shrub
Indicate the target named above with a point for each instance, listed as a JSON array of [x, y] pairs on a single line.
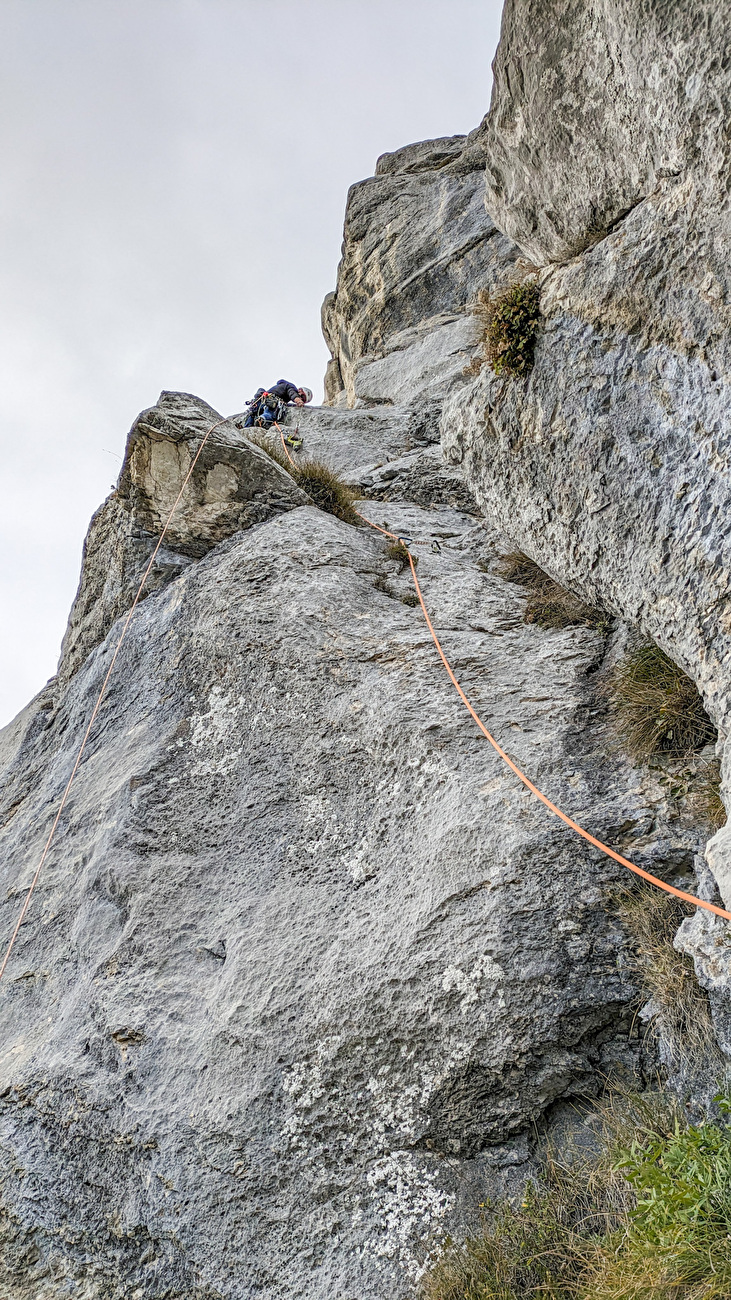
[[509, 325], [323, 484], [645, 1216], [398, 551], [657, 709], [549, 604]]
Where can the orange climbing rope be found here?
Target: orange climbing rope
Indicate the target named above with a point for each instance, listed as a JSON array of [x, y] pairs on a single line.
[[99, 699], [568, 821]]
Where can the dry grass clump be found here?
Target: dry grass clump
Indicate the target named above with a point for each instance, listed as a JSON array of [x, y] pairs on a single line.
[[318, 480], [509, 322], [645, 1216], [399, 552], [327, 489], [657, 709], [705, 796], [549, 604], [652, 919]]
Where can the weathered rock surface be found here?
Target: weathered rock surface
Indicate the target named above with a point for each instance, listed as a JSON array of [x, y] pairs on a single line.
[[233, 485], [418, 243], [307, 963], [593, 106], [306, 960], [610, 464]]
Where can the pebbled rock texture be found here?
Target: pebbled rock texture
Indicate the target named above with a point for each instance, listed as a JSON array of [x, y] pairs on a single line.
[[306, 962]]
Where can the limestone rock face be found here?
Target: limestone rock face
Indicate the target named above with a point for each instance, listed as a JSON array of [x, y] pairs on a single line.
[[593, 105], [418, 244], [233, 486], [306, 960]]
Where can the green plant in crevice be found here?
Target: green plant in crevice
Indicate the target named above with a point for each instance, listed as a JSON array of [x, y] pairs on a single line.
[[657, 708], [322, 483], [643, 1213], [509, 324], [666, 976], [549, 604]]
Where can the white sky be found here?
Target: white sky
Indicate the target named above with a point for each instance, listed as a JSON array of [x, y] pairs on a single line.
[[174, 182]]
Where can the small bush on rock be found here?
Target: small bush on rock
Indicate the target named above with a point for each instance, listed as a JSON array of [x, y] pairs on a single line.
[[509, 325], [657, 708], [318, 480], [647, 1214], [652, 919], [400, 553], [549, 604], [327, 489]]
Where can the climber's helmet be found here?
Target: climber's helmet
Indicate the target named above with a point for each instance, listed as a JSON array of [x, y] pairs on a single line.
[[305, 394]]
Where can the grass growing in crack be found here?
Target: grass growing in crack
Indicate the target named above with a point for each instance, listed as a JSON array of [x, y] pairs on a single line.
[[705, 796], [646, 1214], [323, 484], [397, 551], [549, 604], [657, 708], [683, 1016], [509, 323]]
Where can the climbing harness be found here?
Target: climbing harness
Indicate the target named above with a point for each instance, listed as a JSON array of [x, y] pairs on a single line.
[[100, 697], [267, 410], [404, 541]]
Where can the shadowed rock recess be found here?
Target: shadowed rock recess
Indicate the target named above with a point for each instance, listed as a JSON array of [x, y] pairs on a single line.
[[308, 971]]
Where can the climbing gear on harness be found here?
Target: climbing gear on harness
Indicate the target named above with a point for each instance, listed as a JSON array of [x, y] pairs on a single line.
[[268, 410]]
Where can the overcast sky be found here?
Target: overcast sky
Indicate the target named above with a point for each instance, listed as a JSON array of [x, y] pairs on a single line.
[[174, 182]]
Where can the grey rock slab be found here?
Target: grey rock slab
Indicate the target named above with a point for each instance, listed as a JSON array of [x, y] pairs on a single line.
[[439, 249], [609, 464], [593, 106], [305, 954]]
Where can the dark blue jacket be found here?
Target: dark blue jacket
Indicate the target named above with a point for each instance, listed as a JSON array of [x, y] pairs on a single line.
[[283, 389]]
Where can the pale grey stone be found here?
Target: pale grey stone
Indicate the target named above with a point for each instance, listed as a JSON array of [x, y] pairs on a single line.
[[306, 961], [593, 106]]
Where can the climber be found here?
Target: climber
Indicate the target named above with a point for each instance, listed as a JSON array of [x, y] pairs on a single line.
[[270, 404]]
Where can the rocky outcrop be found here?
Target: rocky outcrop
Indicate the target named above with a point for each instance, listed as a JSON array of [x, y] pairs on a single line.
[[417, 244], [307, 968], [594, 107], [233, 485], [609, 465], [307, 962]]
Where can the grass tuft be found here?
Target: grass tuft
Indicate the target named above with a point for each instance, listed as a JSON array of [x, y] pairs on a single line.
[[549, 604], [657, 708], [705, 797], [681, 1008], [645, 1214], [323, 484], [397, 551], [509, 324]]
